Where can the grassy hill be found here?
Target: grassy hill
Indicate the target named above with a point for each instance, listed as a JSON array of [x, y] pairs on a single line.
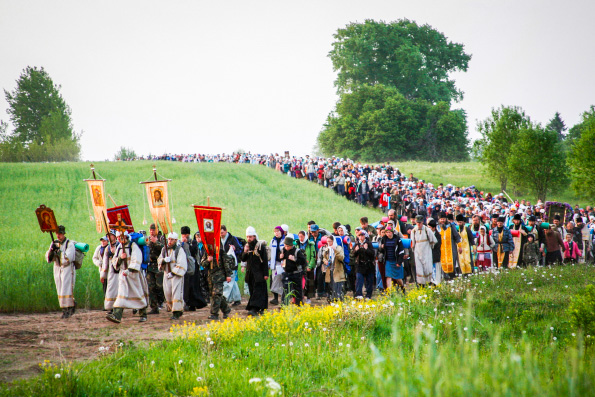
[[251, 195]]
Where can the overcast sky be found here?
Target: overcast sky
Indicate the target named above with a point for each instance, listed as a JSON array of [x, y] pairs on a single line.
[[212, 77]]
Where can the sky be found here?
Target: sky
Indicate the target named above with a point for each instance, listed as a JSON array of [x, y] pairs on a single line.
[[214, 77]]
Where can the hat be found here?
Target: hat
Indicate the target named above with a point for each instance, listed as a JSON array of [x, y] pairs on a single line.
[[185, 230], [314, 228], [532, 218], [112, 231], [530, 235], [460, 218], [450, 216], [501, 219], [103, 238], [173, 235], [557, 217], [288, 240], [517, 217], [119, 233], [153, 227], [285, 228], [61, 229], [250, 231], [432, 223], [442, 215], [419, 218], [494, 216]]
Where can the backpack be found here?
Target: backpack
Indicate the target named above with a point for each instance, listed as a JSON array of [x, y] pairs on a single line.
[[190, 260], [139, 240], [259, 244], [79, 255]]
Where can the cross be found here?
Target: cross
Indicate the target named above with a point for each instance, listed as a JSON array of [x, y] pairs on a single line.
[[120, 225]]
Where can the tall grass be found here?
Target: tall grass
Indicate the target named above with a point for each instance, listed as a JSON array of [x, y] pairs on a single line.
[[251, 195], [430, 342]]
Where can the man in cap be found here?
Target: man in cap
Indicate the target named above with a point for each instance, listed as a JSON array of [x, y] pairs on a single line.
[[219, 272], [154, 275], [294, 262], [61, 253], [450, 238], [257, 272], [100, 251], [504, 243], [422, 241], [173, 263], [133, 292]]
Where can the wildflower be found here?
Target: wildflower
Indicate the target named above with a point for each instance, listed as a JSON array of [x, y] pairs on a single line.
[[307, 345], [363, 337], [436, 341], [290, 343], [474, 340], [573, 334], [211, 343], [255, 380], [121, 344], [180, 362], [199, 379], [340, 343], [57, 376], [347, 345], [465, 329], [256, 344], [551, 328], [152, 362], [555, 338], [211, 365]]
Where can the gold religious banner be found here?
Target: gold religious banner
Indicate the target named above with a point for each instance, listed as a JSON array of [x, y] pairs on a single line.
[[159, 202], [97, 192]]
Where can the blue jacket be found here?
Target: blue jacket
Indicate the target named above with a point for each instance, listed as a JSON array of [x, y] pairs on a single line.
[[507, 241]]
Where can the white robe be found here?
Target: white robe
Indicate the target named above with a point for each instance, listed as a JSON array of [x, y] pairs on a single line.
[[133, 292], [64, 273], [422, 242], [108, 272], [173, 288]]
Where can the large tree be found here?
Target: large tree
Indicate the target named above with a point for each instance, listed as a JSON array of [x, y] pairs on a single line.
[[41, 118], [377, 123], [538, 162], [557, 125], [499, 132], [415, 59], [581, 158]]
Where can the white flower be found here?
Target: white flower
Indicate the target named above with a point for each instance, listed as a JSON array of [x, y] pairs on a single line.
[[121, 344], [211, 343], [474, 341], [363, 337], [555, 338], [180, 362], [255, 380], [305, 324], [306, 345], [551, 328], [324, 329], [290, 343], [57, 376], [436, 341], [256, 344], [524, 332], [208, 339], [283, 345], [199, 379], [465, 329], [391, 303], [340, 343], [211, 365], [152, 362], [207, 333], [348, 345]]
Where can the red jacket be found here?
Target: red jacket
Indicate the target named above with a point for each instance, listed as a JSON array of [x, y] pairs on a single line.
[[574, 254]]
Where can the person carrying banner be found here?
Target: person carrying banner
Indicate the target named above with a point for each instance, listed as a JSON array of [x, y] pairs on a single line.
[[219, 272], [61, 254], [154, 276], [133, 292], [173, 263]]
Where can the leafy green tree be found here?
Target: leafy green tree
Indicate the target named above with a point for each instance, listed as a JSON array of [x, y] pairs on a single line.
[[377, 123], [124, 154], [537, 161], [575, 132], [414, 59], [41, 119], [557, 125], [499, 133], [581, 158]]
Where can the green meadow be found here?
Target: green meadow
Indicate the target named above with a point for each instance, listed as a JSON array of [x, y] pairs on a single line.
[[505, 334], [251, 195]]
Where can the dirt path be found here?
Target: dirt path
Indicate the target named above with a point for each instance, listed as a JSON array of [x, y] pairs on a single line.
[[28, 339]]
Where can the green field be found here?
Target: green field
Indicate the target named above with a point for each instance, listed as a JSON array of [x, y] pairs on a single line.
[[503, 334], [251, 195]]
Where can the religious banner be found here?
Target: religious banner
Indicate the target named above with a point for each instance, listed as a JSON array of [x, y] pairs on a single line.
[[159, 202], [119, 218], [98, 201], [46, 219], [209, 226]]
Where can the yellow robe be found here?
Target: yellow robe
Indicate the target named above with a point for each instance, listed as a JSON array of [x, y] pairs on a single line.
[[465, 256], [446, 257]]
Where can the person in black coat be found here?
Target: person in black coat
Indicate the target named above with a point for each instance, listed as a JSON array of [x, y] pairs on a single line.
[[363, 254], [193, 291], [257, 273]]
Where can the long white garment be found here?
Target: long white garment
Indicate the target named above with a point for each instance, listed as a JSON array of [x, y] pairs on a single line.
[[64, 273], [173, 288], [109, 273], [231, 290], [133, 292], [98, 258], [422, 242]]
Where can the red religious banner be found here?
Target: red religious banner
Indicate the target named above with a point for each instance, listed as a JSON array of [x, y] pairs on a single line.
[[209, 226], [121, 212]]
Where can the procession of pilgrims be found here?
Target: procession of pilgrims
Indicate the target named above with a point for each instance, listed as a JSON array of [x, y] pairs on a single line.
[[448, 238]]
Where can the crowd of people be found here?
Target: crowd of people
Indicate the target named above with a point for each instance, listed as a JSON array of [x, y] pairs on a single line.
[[428, 234]]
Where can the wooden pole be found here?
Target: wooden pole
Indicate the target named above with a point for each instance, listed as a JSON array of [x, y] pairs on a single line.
[[111, 198], [208, 201], [93, 171]]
